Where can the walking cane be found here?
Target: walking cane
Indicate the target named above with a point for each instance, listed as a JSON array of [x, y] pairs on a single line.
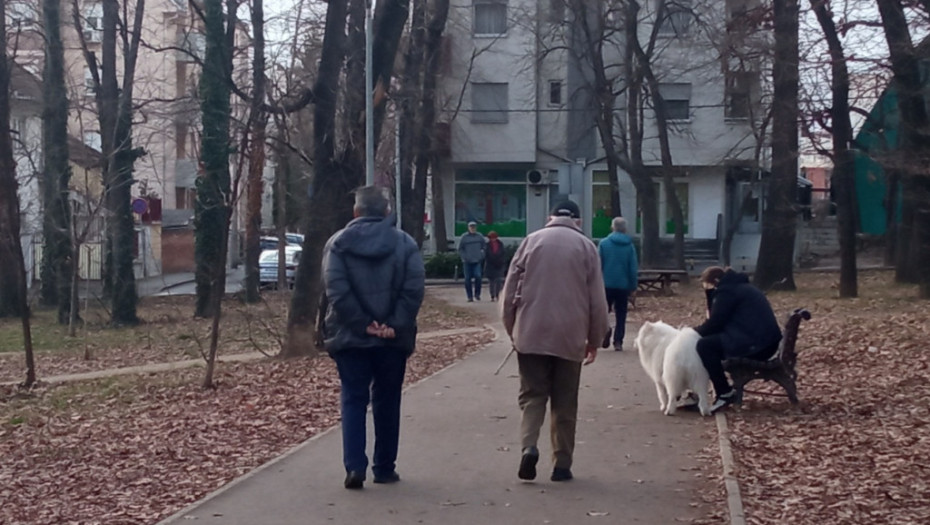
[[506, 357]]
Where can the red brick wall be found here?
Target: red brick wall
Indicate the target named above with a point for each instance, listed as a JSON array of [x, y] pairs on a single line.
[[177, 250]]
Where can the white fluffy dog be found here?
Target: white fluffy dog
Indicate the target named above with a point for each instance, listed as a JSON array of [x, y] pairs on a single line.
[[670, 357]]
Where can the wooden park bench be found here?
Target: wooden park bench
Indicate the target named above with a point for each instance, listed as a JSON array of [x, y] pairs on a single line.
[[779, 368]]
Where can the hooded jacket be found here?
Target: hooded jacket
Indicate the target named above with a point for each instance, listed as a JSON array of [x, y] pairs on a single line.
[[742, 316], [618, 262], [553, 301], [371, 272]]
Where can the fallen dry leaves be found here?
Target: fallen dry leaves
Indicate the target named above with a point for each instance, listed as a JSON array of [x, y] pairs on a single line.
[[135, 449], [169, 333], [855, 450]]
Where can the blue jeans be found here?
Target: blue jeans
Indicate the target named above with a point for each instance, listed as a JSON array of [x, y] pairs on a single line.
[[472, 271], [375, 375]]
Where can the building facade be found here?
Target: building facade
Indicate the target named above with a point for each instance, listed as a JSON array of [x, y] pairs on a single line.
[[518, 83]]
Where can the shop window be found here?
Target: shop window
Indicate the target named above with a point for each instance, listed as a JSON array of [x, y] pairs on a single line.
[[498, 206]]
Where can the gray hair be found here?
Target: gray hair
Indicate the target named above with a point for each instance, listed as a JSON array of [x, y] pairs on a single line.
[[372, 201], [618, 224]]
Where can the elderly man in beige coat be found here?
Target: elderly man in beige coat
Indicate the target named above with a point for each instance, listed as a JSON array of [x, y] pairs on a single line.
[[555, 312]]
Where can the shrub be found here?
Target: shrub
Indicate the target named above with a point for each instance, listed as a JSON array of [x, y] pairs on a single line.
[[442, 265]]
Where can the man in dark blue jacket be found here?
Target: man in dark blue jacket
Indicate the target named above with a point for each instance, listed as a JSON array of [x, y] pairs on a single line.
[[374, 279], [741, 324]]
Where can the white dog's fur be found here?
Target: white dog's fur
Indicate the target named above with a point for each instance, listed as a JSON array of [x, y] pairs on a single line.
[[670, 357]]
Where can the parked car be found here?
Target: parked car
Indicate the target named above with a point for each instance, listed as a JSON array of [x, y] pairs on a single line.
[[294, 239], [268, 243], [268, 265]]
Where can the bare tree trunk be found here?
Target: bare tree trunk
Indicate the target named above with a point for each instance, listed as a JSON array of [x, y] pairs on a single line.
[[671, 195], [336, 174], [425, 146], [281, 229], [56, 255], [775, 266], [843, 179], [440, 236], [892, 183], [11, 248], [259, 121], [213, 185], [913, 260]]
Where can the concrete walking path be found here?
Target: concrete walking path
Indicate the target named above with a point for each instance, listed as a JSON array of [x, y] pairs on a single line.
[[460, 450]]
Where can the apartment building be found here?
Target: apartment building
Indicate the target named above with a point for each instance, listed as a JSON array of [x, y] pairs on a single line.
[[520, 108], [166, 117]]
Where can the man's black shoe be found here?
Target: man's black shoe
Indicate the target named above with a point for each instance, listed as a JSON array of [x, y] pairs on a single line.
[[393, 477], [561, 474], [355, 479], [528, 463]]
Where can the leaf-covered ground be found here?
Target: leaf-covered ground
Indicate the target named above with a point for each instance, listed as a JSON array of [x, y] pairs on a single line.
[[135, 449], [168, 333], [855, 450]]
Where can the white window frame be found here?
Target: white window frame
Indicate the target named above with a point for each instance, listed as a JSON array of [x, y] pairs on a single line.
[[493, 109], [676, 92], [678, 18], [93, 22], [93, 139], [23, 12], [90, 88], [737, 83], [556, 87], [488, 7]]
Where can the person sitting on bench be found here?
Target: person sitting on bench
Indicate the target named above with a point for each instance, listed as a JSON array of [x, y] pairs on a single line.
[[740, 323]]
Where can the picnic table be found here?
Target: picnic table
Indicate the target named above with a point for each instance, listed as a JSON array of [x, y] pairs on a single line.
[[659, 280]]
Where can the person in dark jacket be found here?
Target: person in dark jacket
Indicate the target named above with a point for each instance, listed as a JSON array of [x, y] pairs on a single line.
[[472, 247], [621, 274], [741, 323], [374, 283], [495, 264]]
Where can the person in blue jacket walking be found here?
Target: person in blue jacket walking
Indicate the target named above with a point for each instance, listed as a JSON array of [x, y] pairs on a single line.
[[621, 274]]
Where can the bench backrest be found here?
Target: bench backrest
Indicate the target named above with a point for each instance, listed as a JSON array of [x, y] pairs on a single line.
[[786, 350]]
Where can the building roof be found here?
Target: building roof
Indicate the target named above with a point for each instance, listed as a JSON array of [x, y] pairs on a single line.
[[24, 85], [84, 155]]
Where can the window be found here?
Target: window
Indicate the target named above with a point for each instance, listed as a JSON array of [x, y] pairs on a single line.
[[23, 13], [601, 208], [744, 15], [93, 22], [92, 139], [738, 94], [494, 198], [555, 92], [677, 100], [676, 19], [490, 17], [90, 87], [681, 191], [489, 103]]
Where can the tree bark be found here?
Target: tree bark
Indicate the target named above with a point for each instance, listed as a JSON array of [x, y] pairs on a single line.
[[337, 173], [912, 264], [213, 183], [259, 120], [775, 266], [843, 176], [12, 300], [425, 156], [56, 254]]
